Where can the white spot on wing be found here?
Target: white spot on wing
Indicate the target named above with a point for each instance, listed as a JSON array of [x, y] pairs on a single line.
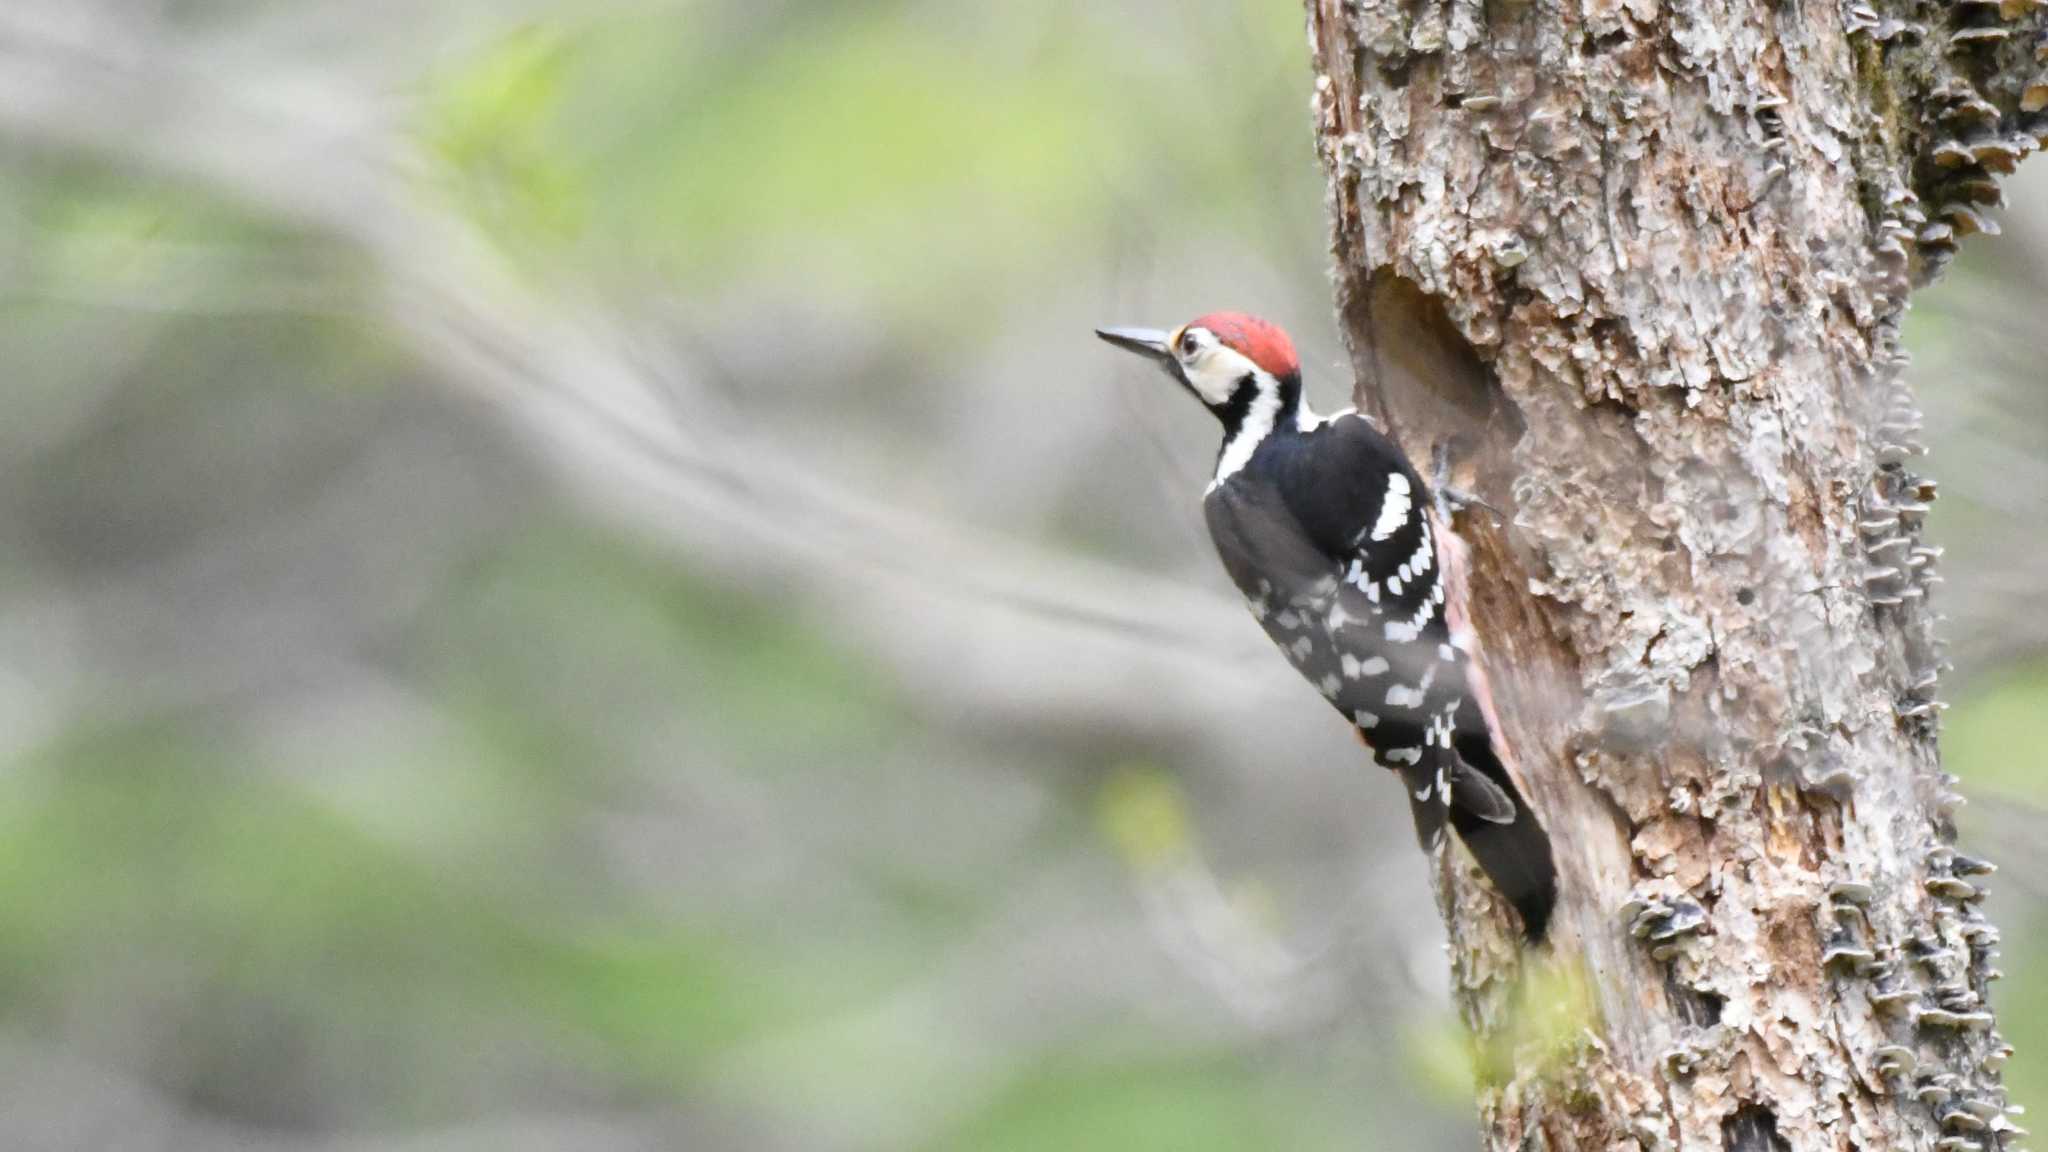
[[1407, 631], [1403, 696], [1370, 666], [1402, 755], [1443, 727], [1394, 507], [1365, 719], [1419, 562]]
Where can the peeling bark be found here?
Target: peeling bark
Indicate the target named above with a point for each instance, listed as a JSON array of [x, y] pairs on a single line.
[[1639, 264]]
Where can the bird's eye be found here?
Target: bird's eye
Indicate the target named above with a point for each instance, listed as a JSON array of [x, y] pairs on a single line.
[[1188, 344]]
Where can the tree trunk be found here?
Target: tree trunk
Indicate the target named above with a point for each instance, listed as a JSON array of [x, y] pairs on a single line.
[[1639, 265]]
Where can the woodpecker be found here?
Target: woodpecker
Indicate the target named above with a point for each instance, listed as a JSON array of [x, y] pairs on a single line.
[[1351, 567]]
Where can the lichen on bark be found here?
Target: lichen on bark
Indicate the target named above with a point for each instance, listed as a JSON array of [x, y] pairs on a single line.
[[1640, 264]]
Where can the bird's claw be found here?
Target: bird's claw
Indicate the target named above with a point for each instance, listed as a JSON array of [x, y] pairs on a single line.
[[1451, 500]]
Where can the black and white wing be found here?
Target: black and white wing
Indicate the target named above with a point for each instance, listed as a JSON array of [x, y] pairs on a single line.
[[1367, 631], [1351, 584]]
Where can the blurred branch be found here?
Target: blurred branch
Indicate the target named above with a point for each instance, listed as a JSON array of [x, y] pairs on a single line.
[[1037, 630], [61, 1101], [978, 627], [317, 156], [638, 443]]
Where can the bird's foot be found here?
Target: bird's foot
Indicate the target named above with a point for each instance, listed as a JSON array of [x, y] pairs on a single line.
[[1451, 500]]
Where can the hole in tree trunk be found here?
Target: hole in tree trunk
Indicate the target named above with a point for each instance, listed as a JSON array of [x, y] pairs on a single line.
[[1700, 1009], [1753, 1128], [1418, 350], [1417, 372]]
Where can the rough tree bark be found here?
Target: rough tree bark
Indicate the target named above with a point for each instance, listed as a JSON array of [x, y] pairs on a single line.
[[1641, 264]]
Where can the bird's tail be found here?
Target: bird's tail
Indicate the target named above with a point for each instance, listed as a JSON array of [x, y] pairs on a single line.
[[1493, 820], [1516, 857]]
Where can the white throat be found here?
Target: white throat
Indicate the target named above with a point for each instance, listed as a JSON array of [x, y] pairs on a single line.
[[1258, 423]]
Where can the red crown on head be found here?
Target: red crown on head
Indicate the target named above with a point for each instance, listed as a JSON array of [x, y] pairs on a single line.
[[1256, 340]]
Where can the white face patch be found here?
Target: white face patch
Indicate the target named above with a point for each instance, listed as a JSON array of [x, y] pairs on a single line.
[[1214, 371]]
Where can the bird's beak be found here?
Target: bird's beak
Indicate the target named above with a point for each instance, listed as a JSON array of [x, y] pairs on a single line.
[[1147, 342]]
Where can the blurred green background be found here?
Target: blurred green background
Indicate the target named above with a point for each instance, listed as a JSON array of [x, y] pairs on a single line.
[[571, 576]]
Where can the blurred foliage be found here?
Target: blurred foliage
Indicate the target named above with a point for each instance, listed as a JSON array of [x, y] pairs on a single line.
[[171, 847], [897, 156], [1142, 812], [489, 121], [1993, 740], [1994, 735], [1194, 1105], [353, 782]]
